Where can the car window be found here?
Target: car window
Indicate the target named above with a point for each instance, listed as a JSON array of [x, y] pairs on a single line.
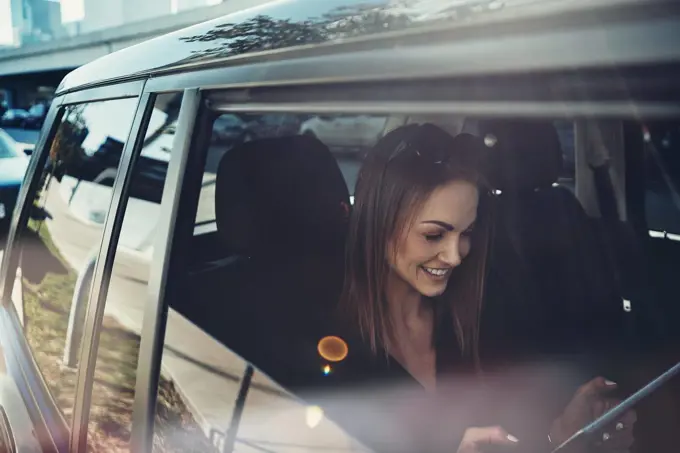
[[662, 158], [63, 235], [210, 395], [549, 255], [113, 393], [659, 174]]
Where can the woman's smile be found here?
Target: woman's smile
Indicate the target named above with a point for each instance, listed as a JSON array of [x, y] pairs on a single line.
[[439, 273]]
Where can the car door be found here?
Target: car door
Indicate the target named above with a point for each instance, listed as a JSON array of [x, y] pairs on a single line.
[[47, 268]]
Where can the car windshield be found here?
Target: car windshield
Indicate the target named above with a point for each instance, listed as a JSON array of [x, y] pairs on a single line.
[[6, 147]]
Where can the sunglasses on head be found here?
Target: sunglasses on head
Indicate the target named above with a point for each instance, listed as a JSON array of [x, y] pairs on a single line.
[[442, 156]]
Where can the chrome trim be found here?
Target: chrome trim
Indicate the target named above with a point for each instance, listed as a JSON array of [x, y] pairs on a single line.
[[664, 235], [153, 324], [103, 93], [102, 273]]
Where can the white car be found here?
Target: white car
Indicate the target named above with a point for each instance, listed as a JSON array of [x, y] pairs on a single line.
[[13, 165], [346, 132]]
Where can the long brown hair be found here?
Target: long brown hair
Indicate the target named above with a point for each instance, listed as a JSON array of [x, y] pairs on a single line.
[[397, 177]]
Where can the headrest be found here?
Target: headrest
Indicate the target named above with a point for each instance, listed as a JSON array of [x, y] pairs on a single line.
[[280, 192], [526, 155]]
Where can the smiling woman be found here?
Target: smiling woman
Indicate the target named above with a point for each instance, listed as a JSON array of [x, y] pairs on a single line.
[[416, 201]]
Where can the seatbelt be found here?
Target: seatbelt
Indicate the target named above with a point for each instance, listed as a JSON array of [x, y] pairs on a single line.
[[604, 190]]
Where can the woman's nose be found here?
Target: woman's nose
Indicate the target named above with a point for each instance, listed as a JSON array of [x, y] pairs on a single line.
[[451, 253]]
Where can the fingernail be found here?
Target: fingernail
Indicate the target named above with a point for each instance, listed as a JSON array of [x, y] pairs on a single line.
[[608, 382], [512, 438]]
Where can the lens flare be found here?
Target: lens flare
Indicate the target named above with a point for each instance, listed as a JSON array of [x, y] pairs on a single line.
[[333, 349], [327, 370], [313, 416]]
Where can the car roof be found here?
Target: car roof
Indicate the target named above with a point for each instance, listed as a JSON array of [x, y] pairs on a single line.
[[273, 26]]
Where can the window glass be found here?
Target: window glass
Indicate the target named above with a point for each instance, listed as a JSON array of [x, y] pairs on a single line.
[[347, 136], [113, 393], [202, 375], [661, 147], [662, 156], [63, 236], [255, 283], [13, 165]]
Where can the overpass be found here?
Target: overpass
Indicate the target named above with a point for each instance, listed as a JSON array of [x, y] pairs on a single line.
[[45, 64]]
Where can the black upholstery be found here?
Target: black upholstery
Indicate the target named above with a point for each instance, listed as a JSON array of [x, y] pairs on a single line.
[[282, 193], [284, 204], [548, 276], [526, 155]]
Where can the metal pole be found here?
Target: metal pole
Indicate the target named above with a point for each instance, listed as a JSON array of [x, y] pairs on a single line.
[[230, 441], [76, 319]]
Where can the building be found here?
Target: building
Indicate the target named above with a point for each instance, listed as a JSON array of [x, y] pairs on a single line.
[[30, 21], [100, 15], [182, 5]]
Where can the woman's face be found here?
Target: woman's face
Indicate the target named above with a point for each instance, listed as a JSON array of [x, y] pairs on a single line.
[[437, 240]]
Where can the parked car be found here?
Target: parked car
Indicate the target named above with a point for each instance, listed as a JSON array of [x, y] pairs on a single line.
[[345, 132], [234, 129], [36, 116], [14, 118], [13, 165], [173, 295], [230, 129]]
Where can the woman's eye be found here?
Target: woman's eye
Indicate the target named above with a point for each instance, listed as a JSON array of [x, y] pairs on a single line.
[[469, 232], [434, 237]]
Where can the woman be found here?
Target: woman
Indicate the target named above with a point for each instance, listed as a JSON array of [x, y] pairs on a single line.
[[417, 245]]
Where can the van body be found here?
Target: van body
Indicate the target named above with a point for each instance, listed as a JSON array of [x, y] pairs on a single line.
[[134, 266]]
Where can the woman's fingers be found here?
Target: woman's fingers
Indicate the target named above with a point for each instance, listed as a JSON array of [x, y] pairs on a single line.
[[595, 387], [475, 440], [620, 435]]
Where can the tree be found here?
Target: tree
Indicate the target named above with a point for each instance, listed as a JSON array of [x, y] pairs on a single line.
[[257, 34]]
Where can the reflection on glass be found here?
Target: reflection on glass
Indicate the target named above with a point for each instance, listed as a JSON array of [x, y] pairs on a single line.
[[110, 421], [234, 408], [59, 247]]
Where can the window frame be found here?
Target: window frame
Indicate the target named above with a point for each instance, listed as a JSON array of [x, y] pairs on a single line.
[[173, 224], [49, 423], [283, 97], [102, 272]]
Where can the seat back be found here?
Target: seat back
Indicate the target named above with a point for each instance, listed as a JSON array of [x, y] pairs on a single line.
[[283, 204], [548, 275]]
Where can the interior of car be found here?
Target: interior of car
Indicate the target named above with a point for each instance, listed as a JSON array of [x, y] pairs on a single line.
[[571, 247]]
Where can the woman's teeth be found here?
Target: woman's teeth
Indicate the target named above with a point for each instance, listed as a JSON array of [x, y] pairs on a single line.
[[436, 272]]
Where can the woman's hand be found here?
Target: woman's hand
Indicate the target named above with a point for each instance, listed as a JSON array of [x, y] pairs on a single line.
[[481, 440], [590, 402]]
